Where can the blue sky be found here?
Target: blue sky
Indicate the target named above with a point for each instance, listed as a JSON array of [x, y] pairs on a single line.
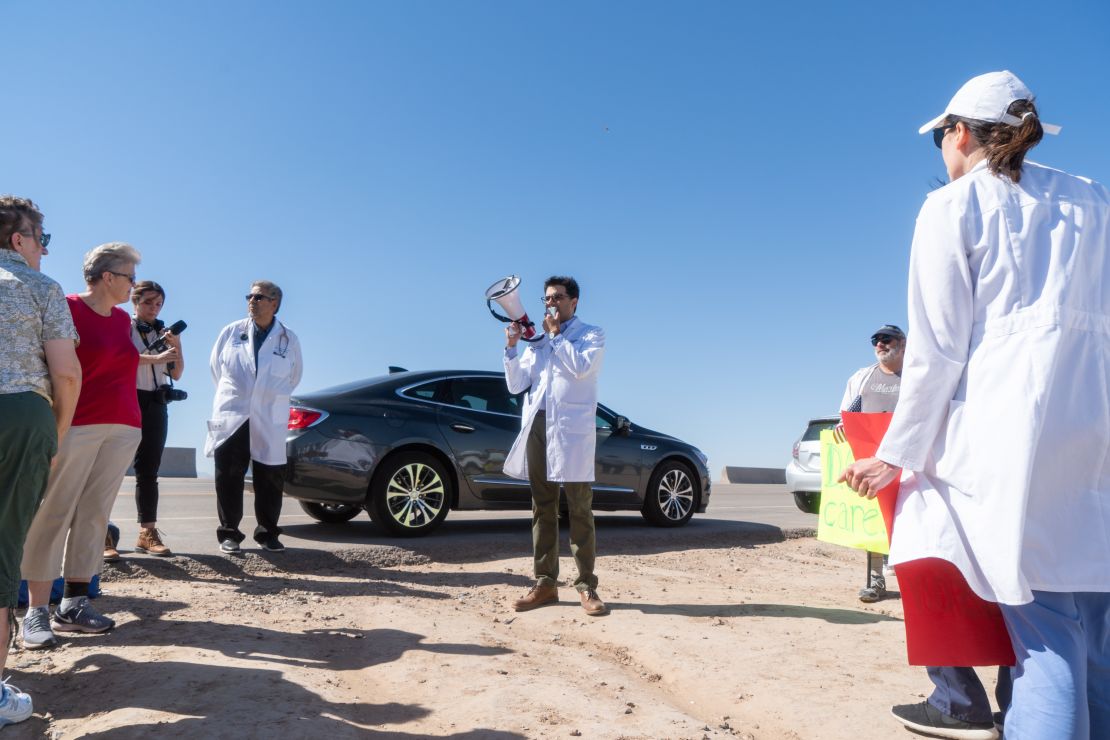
[[734, 185]]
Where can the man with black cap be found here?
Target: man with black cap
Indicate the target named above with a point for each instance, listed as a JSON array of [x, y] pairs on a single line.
[[874, 389]]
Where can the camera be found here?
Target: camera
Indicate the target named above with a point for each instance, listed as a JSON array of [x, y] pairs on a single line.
[[168, 394], [159, 345]]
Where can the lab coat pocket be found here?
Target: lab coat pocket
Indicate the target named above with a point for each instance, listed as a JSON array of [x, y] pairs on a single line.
[[576, 418], [280, 409], [952, 452]]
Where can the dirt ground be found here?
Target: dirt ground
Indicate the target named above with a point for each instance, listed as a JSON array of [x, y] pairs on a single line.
[[759, 636]]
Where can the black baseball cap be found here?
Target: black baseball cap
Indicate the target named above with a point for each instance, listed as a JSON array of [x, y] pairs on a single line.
[[890, 329]]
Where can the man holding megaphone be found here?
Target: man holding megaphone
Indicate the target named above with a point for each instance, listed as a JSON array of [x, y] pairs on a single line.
[[557, 438]]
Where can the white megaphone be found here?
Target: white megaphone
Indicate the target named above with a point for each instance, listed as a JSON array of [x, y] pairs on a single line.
[[504, 292]]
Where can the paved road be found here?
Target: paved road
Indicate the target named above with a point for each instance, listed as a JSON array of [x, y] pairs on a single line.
[[737, 514]]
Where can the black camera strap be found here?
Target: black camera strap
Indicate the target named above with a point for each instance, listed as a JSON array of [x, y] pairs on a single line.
[[153, 372]]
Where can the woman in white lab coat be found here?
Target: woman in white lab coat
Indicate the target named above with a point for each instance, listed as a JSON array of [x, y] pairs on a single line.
[[256, 364], [1003, 424]]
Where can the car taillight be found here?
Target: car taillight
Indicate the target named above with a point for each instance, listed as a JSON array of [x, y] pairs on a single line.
[[796, 446], [302, 418]]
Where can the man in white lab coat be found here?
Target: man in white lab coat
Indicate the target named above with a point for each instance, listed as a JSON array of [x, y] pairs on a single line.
[[256, 364], [557, 438]]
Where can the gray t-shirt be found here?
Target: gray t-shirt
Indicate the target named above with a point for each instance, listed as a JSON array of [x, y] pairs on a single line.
[[880, 391]]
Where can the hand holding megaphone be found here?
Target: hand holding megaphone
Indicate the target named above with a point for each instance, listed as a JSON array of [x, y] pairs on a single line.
[[505, 293]]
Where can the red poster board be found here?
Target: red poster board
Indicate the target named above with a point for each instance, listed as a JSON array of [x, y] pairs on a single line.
[[947, 624]]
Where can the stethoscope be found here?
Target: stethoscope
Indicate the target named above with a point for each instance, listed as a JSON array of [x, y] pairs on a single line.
[[283, 342]]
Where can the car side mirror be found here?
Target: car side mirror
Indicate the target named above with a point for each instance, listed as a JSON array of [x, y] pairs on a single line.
[[623, 425]]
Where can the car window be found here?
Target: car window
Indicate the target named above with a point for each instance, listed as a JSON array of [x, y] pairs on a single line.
[[484, 394], [602, 423], [813, 431], [433, 391]]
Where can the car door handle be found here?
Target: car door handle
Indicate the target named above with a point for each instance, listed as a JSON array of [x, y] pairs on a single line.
[[462, 428]]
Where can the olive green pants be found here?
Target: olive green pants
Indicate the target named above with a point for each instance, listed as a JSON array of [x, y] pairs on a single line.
[[545, 516], [28, 439]]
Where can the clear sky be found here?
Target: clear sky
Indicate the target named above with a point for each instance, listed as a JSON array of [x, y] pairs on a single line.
[[734, 185]]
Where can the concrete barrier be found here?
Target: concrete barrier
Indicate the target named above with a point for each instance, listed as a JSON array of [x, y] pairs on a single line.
[[733, 474], [177, 462]]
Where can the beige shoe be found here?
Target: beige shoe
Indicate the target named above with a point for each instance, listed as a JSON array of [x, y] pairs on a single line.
[[592, 603], [150, 542], [537, 596], [111, 554]]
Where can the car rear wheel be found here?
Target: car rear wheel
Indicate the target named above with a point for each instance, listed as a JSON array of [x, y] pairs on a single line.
[[670, 497], [410, 494], [330, 513], [807, 501]]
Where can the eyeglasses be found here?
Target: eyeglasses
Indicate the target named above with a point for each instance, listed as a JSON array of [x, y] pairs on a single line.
[[130, 278], [554, 298], [252, 297], [882, 339], [940, 133], [44, 239]]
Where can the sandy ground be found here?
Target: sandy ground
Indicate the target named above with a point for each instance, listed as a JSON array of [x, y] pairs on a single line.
[[744, 638]]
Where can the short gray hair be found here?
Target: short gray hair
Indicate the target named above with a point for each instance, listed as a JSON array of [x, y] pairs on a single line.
[[108, 258], [270, 289]]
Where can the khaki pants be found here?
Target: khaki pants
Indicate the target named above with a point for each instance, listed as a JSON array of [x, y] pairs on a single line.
[[545, 517], [73, 516]]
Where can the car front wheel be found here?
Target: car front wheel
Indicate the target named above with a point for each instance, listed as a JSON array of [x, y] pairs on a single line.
[[410, 494], [330, 513], [670, 497]]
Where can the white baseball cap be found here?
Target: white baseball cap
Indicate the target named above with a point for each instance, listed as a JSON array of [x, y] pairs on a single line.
[[987, 98]]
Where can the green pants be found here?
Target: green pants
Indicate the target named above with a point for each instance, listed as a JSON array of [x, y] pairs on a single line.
[[28, 439], [545, 517]]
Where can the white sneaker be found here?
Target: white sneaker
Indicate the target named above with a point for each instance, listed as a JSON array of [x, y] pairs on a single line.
[[15, 706]]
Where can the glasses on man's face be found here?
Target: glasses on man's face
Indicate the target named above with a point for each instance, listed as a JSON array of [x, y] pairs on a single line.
[[882, 339], [252, 297], [940, 133], [554, 298], [44, 239], [130, 277]]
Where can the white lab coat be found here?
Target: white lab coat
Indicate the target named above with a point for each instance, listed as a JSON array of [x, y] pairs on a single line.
[[563, 370], [262, 397], [1003, 423]]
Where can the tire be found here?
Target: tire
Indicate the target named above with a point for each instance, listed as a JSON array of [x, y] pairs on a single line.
[[410, 494], [808, 501], [330, 513], [671, 495]]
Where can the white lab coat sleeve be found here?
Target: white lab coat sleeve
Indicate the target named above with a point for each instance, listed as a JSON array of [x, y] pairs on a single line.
[[941, 313], [298, 362], [214, 359], [579, 357], [518, 369]]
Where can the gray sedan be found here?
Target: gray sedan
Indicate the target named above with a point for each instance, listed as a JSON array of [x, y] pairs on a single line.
[[410, 446]]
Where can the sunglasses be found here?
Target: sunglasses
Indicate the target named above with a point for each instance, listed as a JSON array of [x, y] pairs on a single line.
[[44, 239], [252, 297], [130, 277], [554, 298], [940, 133], [882, 339]]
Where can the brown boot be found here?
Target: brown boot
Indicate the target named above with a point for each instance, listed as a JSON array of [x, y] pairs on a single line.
[[537, 596], [150, 542], [592, 603], [111, 554]]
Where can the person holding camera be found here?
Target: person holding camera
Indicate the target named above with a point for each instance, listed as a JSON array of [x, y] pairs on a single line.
[[160, 363]]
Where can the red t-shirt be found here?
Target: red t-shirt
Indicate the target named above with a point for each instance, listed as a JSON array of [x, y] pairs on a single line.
[[109, 362]]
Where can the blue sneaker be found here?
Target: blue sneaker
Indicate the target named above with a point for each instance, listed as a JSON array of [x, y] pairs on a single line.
[[36, 629], [15, 706], [82, 618]]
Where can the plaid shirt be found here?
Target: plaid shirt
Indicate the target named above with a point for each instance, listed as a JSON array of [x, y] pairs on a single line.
[[33, 310]]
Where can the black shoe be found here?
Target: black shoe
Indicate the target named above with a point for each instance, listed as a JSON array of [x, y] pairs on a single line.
[[229, 546], [926, 719], [272, 545]]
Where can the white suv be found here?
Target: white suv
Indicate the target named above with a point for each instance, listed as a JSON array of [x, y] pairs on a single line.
[[803, 474]]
